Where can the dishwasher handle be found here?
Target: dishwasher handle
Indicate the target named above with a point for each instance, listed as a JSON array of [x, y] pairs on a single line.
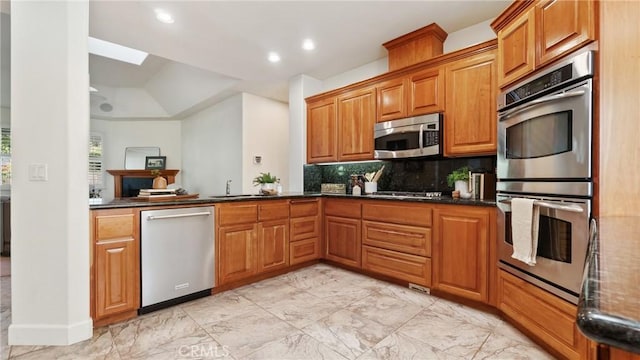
[[160, 217]]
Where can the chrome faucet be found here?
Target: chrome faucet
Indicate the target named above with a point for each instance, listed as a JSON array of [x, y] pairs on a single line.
[[228, 191]]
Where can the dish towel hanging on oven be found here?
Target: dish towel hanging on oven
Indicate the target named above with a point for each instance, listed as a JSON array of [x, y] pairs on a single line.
[[524, 230]]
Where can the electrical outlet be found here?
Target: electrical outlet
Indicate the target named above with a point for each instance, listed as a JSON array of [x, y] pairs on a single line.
[[257, 159], [38, 172]]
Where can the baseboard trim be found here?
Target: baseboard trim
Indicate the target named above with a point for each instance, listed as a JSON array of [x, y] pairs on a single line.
[[46, 334]]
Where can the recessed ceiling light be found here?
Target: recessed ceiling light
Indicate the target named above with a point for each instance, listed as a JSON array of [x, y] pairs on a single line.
[[308, 44], [274, 57], [164, 16], [115, 51]]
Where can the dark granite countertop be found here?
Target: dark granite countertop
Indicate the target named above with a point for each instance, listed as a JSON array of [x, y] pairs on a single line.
[[132, 202], [609, 307]]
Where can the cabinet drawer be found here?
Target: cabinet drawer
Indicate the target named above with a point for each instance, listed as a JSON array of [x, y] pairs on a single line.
[[115, 224], [408, 239], [412, 268], [304, 250], [304, 228], [398, 213], [273, 210], [343, 208], [231, 214], [546, 316], [303, 208]]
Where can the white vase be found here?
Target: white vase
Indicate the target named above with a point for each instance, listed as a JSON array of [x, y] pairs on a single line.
[[463, 187], [268, 188]]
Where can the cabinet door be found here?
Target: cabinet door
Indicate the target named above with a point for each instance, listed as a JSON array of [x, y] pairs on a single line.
[[322, 131], [236, 249], [392, 101], [470, 124], [516, 48], [304, 228], [461, 251], [426, 94], [563, 26], [356, 117], [117, 277], [273, 245], [343, 240]]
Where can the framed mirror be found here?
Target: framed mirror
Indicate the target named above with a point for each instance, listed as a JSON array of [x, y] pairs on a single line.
[[134, 157]]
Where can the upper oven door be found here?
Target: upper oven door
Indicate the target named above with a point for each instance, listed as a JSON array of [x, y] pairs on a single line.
[[547, 138]]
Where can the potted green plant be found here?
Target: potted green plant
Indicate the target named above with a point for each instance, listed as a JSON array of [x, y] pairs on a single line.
[[459, 180], [267, 183]]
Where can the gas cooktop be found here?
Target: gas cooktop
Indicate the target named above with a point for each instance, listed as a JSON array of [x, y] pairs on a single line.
[[421, 194]]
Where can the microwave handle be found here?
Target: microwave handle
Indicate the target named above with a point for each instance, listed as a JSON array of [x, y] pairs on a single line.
[[421, 136], [509, 113], [552, 205]]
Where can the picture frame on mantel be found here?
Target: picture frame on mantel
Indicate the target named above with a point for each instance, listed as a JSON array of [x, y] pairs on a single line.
[[155, 162]]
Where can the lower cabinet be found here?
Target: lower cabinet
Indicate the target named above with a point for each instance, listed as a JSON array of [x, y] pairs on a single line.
[[305, 233], [273, 245], [549, 318], [411, 268], [236, 252], [251, 238], [461, 250], [343, 239], [115, 265]]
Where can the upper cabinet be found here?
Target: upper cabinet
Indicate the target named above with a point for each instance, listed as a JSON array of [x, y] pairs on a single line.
[[356, 117], [392, 99], [532, 36], [470, 106], [322, 131]]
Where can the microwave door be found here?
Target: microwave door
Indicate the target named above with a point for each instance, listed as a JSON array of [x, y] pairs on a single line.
[[398, 142]]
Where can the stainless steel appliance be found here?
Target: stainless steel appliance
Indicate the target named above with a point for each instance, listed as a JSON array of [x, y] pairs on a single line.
[[563, 240], [410, 137], [545, 124], [545, 127], [177, 255]]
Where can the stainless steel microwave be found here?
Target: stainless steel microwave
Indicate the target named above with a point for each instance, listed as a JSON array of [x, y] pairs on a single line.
[[410, 137]]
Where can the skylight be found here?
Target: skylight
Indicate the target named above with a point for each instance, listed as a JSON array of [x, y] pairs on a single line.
[[115, 51]]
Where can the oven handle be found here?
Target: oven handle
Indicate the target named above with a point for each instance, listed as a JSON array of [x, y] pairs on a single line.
[[552, 205], [509, 113]]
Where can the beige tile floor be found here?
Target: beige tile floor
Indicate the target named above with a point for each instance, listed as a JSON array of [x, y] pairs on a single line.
[[319, 312]]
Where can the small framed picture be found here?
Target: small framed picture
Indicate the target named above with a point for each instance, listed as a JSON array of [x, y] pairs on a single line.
[[155, 162]]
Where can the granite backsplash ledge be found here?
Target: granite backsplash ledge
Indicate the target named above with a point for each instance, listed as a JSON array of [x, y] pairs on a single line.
[[398, 175]]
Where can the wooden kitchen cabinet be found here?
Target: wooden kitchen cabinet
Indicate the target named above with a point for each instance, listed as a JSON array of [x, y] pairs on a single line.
[[304, 234], [550, 319], [531, 37], [342, 231], [461, 236], [236, 249], [396, 240], [273, 245], [392, 99], [426, 91], [253, 237], [115, 265], [470, 122], [516, 48], [356, 117], [322, 131]]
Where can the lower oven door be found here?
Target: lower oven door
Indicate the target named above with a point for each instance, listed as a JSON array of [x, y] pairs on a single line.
[[563, 239]]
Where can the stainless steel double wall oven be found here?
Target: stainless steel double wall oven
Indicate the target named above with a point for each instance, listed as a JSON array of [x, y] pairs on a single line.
[[545, 127]]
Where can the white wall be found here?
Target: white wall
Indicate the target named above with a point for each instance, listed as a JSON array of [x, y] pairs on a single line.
[[118, 135], [212, 148], [300, 87], [49, 218], [265, 133], [366, 71], [469, 36]]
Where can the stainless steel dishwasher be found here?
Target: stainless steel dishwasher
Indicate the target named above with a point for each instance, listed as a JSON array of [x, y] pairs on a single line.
[[177, 255]]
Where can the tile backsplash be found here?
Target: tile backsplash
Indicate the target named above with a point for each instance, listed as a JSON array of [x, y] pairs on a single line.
[[398, 175]]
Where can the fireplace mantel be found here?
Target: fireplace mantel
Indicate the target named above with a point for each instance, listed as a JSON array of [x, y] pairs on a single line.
[[118, 175]]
